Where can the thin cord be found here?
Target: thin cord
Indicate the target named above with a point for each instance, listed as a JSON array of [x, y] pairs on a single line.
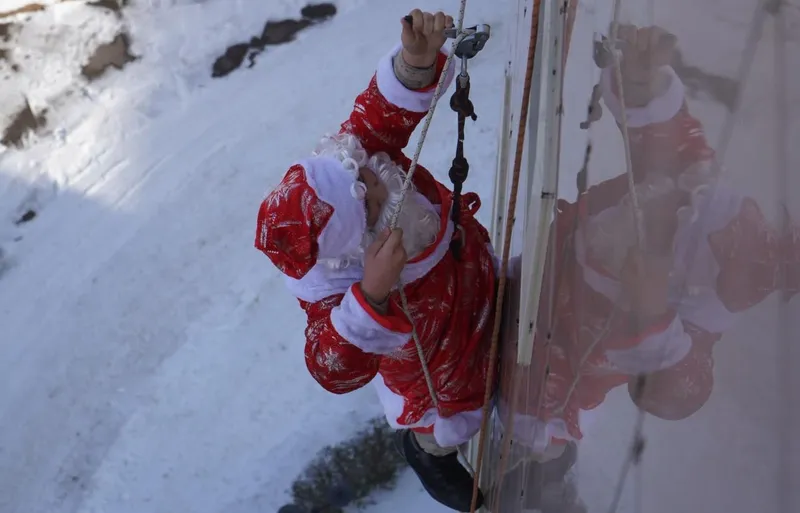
[[406, 186], [636, 210]]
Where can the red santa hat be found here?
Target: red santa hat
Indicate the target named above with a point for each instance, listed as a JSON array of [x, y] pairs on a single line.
[[316, 212]]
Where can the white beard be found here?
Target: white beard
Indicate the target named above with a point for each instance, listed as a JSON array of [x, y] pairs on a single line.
[[418, 219], [612, 232]]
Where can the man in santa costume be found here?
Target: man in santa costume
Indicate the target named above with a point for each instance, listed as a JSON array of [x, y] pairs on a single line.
[[325, 226], [646, 314]]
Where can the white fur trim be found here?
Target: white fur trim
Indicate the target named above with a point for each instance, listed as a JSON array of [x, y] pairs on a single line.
[[322, 281], [448, 432], [655, 352], [356, 325], [659, 110], [333, 184], [531, 432], [397, 94]]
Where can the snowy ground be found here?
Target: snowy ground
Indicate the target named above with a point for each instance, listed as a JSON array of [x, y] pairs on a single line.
[[151, 358]]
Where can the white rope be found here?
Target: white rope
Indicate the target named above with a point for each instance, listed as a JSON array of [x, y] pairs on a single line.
[[407, 184], [635, 207], [427, 122]]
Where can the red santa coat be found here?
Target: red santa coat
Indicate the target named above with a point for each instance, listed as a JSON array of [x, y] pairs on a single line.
[[727, 259], [348, 344]]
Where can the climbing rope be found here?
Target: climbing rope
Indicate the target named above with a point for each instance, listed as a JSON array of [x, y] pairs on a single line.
[[460, 103], [636, 211], [438, 92], [460, 35]]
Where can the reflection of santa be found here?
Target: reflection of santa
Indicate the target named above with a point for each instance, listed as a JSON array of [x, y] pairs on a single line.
[[620, 310]]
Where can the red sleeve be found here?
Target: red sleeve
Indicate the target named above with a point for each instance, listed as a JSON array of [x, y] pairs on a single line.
[[346, 337], [749, 252], [386, 113], [334, 363]]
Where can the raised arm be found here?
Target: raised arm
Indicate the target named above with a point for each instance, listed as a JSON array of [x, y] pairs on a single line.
[[401, 91]]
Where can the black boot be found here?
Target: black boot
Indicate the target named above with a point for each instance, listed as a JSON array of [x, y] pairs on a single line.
[[443, 477]]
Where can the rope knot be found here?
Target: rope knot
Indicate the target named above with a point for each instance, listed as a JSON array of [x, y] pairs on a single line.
[[460, 101], [459, 170]]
